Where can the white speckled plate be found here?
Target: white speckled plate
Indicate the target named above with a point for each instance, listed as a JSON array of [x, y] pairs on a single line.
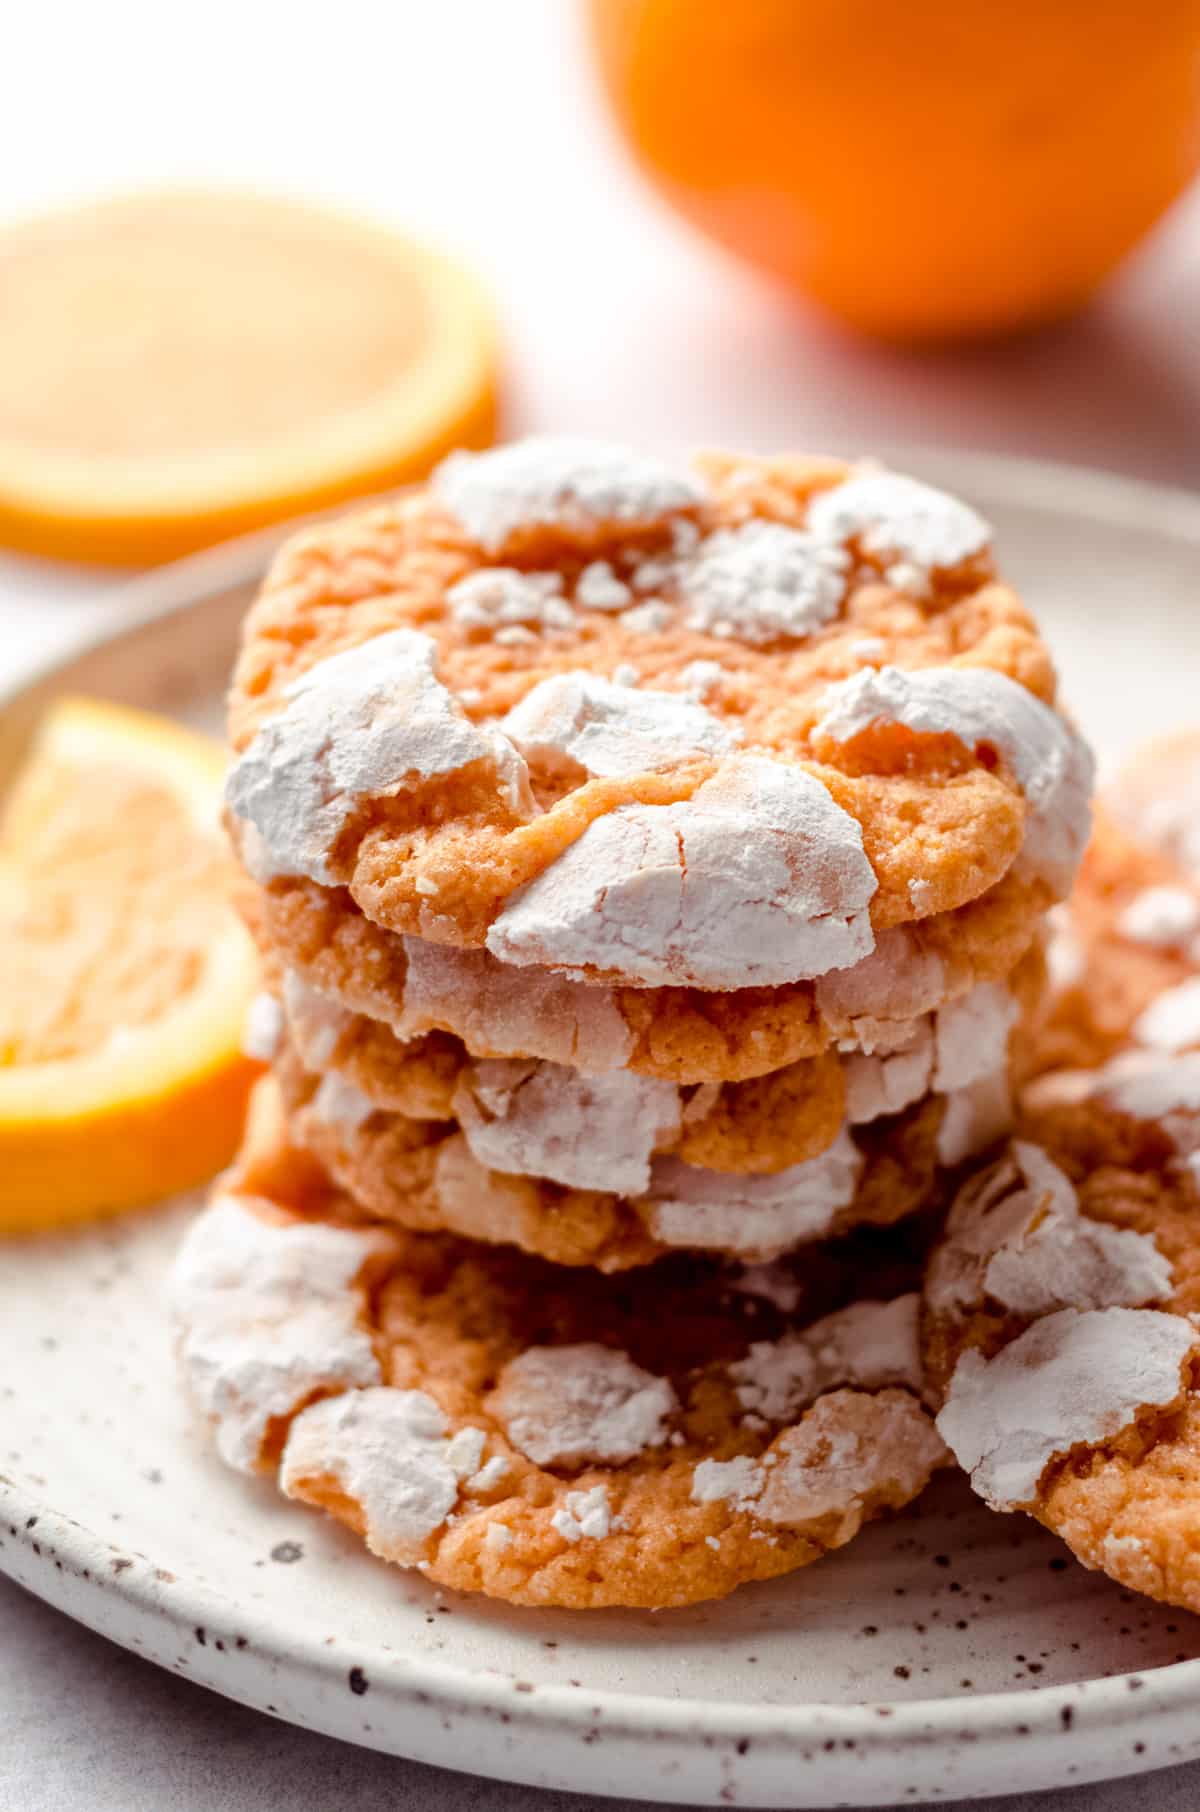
[[949, 1653]]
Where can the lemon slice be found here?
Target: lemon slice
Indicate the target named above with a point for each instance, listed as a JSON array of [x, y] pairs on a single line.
[[125, 975], [179, 367]]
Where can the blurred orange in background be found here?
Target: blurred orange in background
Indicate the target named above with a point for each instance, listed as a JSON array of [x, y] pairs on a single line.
[[937, 169]]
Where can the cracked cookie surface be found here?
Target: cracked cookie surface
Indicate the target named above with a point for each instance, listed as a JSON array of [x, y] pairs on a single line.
[[543, 1437], [726, 745]]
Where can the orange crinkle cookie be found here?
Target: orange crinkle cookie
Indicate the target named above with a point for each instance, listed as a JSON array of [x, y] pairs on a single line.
[[760, 1125], [601, 719], [1060, 1322], [684, 1035], [550, 1438], [1061, 1305]]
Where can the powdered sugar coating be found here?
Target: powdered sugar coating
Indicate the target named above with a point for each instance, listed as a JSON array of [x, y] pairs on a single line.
[[1163, 917], [899, 519], [267, 1316], [897, 983], [545, 1120], [550, 479], [757, 880], [1016, 1236], [960, 1051], [1172, 1020], [588, 1404], [760, 1216], [585, 1515], [498, 1009], [598, 588], [1066, 961], [391, 1452], [315, 1021], [1152, 1086], [868, 1344], [971, 1036], [885, 1084], [764, 582], [737, 1481], [263, 1028], [973, 1118], [1050, 762], [358, 726], [611, 729], [700, 679], [1073, 1379], [499, 596], [340, 1102], [850, 1447], [650, 618]]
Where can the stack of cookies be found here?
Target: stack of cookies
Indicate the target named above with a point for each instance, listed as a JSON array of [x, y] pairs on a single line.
[[650, 873]]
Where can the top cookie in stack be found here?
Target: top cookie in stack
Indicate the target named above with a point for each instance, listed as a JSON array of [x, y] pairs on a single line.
[[740, 795]]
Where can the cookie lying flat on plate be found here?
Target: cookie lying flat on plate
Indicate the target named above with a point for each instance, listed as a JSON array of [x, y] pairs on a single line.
[[1059, 1321], [540, 1436], [683, 1035], [656, 731]]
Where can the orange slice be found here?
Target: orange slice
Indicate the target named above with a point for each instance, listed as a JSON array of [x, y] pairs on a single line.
[[125, 975], [179, 367]]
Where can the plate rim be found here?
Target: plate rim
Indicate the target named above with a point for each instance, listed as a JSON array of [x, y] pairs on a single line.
[[1079, 1709]]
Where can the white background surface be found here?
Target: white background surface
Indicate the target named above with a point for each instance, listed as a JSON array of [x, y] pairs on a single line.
[[474, 123]]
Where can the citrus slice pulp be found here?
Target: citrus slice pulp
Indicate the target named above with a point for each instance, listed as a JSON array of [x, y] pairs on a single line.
[[179, 367], [125, 975]]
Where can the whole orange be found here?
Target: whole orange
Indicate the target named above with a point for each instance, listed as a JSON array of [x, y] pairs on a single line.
[[925, 169]]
